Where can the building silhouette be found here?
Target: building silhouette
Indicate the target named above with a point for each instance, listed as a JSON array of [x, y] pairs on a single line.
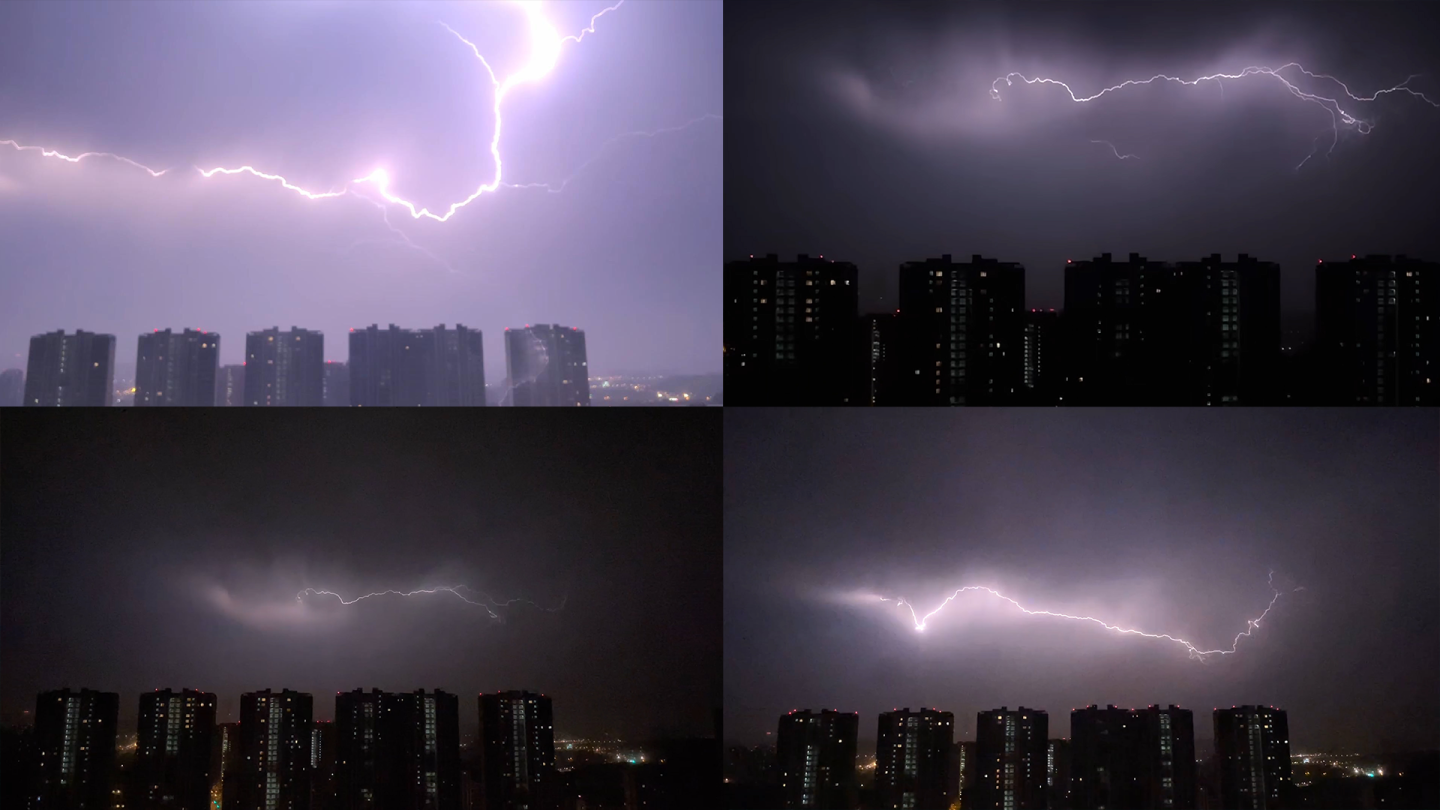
[[1058, 757], [962, 330], [75, 749], [912, 759], [174, 744], [1133, 759], [1011, 753], [816, 756], [225, 763], [12, 387], [546, 366], [337, 384], [409, 367], [323, 748], [880, 382], [1377, 331], [517, 749], [1229, 336], [274, 772], [396, 750], [285, 369], [790, 331], [70, 370], [230, 386], [1044, 365], [177, 369], [963, 772], [1252, 748]]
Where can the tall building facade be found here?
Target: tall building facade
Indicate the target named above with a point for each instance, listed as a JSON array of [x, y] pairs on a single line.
[[75, 744], [323, 749], [1228, 345], [880, 359], [517, 749], [1252, 746], [963, 327], [70, 370], [397, 750], [1058, 756], [337, 384], [1133, 759], [230, 386], [12, 388], [1377, 330], [285, 369], [816, 755], [790, 331], [912, 759], [174, 743], [177, 369], [1044, 365], [225, 764], [546, 366], [274, 751], [1011, 753], [963, 773], [408, 367]]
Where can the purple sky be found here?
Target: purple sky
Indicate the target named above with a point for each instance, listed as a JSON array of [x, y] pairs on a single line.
[[326, 92]]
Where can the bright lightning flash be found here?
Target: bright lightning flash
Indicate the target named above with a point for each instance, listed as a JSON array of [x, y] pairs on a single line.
[[489, 604], [1193, 651], [545, 47], [1338, 115]]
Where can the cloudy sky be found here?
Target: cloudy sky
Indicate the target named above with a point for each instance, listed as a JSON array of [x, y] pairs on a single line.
[[327, 92]]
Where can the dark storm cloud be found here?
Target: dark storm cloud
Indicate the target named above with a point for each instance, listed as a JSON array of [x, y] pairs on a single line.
[[150, 553], [323, 93], [867, 132], [1168, 522]]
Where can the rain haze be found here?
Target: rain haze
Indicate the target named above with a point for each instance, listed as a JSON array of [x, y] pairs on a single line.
[[1166, 521], [878, 133], [616, 144]]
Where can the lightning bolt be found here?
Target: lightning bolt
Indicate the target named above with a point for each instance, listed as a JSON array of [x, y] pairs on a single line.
[[489, 604], [545, 48], [1193, 651], [1338, 115], [1116, 151]]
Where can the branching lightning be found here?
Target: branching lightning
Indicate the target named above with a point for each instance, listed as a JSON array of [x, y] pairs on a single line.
[[1116, 151], [1193, 651], [489, 604], [545, 48], [1338, 114]]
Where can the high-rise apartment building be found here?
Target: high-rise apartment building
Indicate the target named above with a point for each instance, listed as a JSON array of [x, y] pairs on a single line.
[[225, 764], [1044, 365], [274, 751], [880, 364], [337, 384], [1057, 773], [75, 744], [1252, 746], [230, 386], [545, 365], [963, 331], [70, 370], [1011, 753], [517, 749], [323, 749], [12, 388], [397, 750], [1377, 325], [285, 369], [436, 367], [816, 755], [174, 744], [912, 759], [1133, 759], [790, 331], [176, 369]]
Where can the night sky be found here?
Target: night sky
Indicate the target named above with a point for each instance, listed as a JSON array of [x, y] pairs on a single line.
[[1166, 521], [326, 92], [143, 553], [866, 132]]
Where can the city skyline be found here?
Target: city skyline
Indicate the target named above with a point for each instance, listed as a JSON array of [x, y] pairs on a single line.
[[1004, 132], [1124, 548], [589, 555], [598, 201]]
